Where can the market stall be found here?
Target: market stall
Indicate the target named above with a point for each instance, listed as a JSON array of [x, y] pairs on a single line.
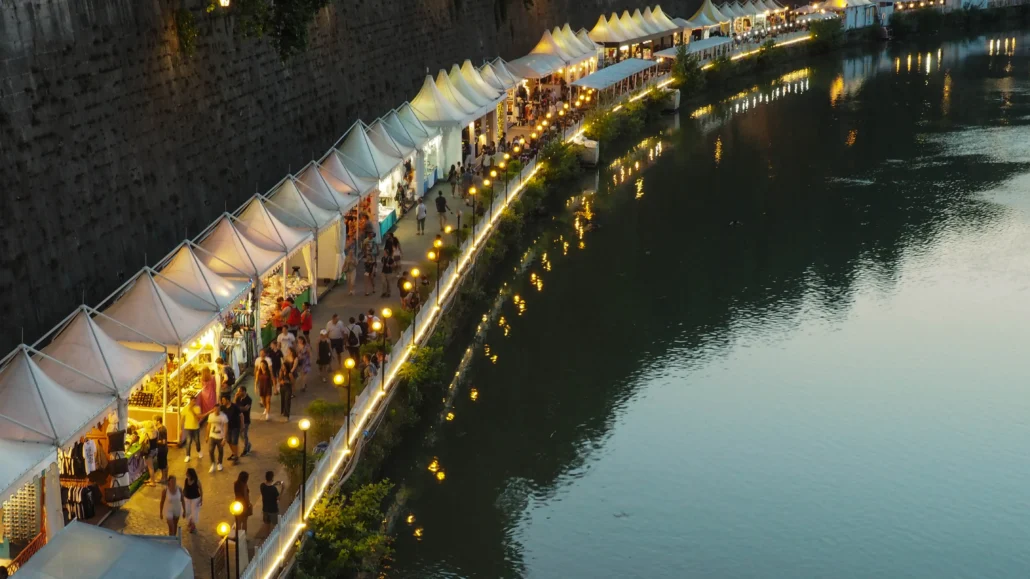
[[38, 418], [433, 109], [316, 189], [189, 330], [86, 552], [708, 18], [292, 277], [405, 190], [296, 210], [405, 128], [362, 195], [367, 161]]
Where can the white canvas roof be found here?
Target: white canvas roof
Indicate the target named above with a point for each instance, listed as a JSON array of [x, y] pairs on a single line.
[[434, 108], [336, 174], [81, 357], [696, 46], [264, 229], [686, 24], [618, 30], [644, 24], [471, 93], [85, 551], [469, 110], [362, 157], [548, 45], [535, 65], [772, 7], [286, 202], [750, 9], [188, 281], [313, 186], [662, 18], [35, 408], [229, 253], [604, 33], [497, 76], [575, 51], [475, 80], [610, 75], [626, 20], [731, 10], [397, 131], [405, 114], [22, 462], [584, 38], [148, 310], [588, 50], [707, 15], [502, 69]]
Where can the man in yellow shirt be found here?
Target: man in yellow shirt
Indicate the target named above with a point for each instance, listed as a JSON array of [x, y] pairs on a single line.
[[191, 426]]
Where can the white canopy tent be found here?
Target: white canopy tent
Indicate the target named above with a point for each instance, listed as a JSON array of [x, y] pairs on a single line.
[[263, 228], [313, 185], [588, 49], [81, 357], [434, 110], [613, 74], [486, 101], [142, 308], [584, 38], [708, 16], [362, 157], [644, 24], [706, 47], [333, 169], [476, 81], [293, 208], [605, 33], [404, 126], [188, 281], [37, 417], [229, 253], [546, 58], [615, 24], [471, 111], [661, 17], [84, 551]]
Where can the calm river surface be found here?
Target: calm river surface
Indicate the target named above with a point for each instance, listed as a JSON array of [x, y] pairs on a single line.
[[792, 344]]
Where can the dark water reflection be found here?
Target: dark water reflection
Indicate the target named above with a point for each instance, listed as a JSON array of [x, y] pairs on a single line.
[[780, 339]]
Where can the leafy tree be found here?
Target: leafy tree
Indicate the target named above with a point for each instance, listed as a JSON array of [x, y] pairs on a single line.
[[346, 535], [687, 73], [827, 35]]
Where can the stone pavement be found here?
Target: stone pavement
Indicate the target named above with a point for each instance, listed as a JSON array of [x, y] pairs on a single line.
[[141, 516]]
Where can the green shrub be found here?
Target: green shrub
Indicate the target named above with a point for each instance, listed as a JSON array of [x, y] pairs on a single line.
[[827, 35], [686, 72], [347, 536], [292, 459], [326, 419]]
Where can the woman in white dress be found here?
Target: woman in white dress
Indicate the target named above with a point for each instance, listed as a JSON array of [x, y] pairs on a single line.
[[172, 505]]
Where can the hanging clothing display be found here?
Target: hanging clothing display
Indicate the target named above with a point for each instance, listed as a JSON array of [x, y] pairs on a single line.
[[80, 501]]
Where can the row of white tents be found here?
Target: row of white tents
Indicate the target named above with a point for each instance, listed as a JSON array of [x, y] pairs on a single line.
[[54, 391]]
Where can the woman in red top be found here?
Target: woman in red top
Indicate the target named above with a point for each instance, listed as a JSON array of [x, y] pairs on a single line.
[[306, 322]]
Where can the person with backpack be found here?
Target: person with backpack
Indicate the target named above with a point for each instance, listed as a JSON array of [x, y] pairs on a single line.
[[353, 340], [363, 323], [442, 209]]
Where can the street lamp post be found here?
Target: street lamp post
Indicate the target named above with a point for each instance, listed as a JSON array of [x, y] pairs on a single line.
[[387, 314], [472, 193], [344, 380], [434, 256], [295, 442], [236, 508], [223, 529]]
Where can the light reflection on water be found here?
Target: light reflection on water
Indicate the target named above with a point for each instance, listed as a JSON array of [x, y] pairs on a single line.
[[791, 346]]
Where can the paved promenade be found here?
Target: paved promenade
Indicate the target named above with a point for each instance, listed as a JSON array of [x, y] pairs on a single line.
[[141, 515]]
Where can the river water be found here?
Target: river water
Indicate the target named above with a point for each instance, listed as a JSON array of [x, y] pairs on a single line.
[[784, 336]]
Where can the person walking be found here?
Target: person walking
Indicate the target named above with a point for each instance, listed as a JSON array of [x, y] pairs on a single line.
[[285, 339], [161, 443], [420, 212], [193, 493], [292, 317], [243, 401], [217, 423], [234, 423], [336, 331], [275, 354], [370, 257], [307, 321], [270, 492], [303, 365], [452, 178], [285, 391], [442, 209], [191, 427], [350, 270], [172, 505], [241, 490], [263, 382], [325, 355], [388, 264], [353, 340]]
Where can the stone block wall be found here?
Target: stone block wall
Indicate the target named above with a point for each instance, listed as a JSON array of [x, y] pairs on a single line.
[[114, 147]]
